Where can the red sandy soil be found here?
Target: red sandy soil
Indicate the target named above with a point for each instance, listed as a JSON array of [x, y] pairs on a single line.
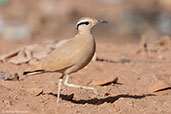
[[131, 95]]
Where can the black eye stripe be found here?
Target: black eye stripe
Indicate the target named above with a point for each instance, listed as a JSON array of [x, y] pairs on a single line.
[[86, 23]]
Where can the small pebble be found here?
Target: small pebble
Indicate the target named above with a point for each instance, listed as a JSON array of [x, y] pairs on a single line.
[[5, 75]]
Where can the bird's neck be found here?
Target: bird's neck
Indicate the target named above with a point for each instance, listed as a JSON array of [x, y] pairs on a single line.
[[84, 35], [84, 32]]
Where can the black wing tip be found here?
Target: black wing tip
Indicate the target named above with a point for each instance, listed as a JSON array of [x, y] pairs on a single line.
[[25, 73]]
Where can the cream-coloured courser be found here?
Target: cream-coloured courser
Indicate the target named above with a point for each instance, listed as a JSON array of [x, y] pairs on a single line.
[[71, 55]]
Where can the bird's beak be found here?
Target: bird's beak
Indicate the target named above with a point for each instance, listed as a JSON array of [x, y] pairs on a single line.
[[102, 21]]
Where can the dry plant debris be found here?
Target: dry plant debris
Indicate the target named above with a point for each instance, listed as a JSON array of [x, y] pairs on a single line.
[[103, 83], [30, 54]]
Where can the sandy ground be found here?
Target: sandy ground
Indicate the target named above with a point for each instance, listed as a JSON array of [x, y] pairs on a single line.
[[133, 94]]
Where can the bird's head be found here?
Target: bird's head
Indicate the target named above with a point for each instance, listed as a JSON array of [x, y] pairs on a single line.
[[87, 23]]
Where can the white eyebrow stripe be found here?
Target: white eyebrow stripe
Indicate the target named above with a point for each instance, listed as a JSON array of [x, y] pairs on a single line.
[[83, 20]]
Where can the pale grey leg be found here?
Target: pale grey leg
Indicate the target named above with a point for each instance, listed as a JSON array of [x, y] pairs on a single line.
[[59, 89], [78, 86]]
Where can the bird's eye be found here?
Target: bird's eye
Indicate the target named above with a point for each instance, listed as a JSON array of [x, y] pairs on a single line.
[[86, 23]]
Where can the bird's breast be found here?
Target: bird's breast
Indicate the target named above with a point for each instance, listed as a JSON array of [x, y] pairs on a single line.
[[87, 50]]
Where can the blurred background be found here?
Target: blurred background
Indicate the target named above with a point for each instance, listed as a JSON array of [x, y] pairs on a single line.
[[129, 20]]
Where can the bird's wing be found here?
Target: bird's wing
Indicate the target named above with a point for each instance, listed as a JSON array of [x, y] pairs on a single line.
[[64, 56]]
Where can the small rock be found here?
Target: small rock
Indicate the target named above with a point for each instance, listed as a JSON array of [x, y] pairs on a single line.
[[106, 94], [7, 102], [35, 91], [159, 86], [5, 75], [161, 57], [8, 76]]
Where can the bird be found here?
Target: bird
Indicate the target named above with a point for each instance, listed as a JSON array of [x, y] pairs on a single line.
[[71, 55]]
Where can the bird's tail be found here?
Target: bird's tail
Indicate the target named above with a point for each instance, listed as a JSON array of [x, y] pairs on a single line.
[[35, 71]]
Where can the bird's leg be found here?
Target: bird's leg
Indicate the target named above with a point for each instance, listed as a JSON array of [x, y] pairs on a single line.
[[59, 87], [78, 86]]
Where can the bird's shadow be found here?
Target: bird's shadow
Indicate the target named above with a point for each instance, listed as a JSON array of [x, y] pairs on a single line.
[[98, 101]]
